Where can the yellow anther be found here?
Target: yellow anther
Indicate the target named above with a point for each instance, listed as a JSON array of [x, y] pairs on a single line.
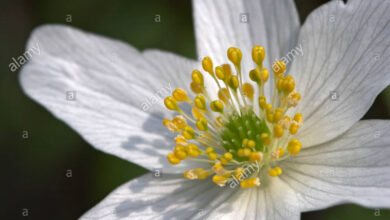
[[207, 65], [275, 171], [233, 82], [171, 103], [262, 102], [179, 148], [173, 159], [223, 160], [258, 54], [170, 125], [298, 118], [180, 95], [245, 142], [201, 124], [179, 121], [278, 114], [238, 173], [293, 99], [218, 168], [240, 152], [278, 131], [268, 107], [219, 180], [192, 147], [188, 133], [197, 77], [279, 83], [191, 174], [278, 67], [265, 75], [248, 183], [227, 70], [180, 140], [255, 156], [223, 94], [294, 146], [200, 102], [248, 90], [196, 88], [217, 106], [228, 156], [247, 152], [265, 138], [288, 84], [285, 122], [234, 54], [202, 173], [251, 143], [255, 75], [220, 72], [209, 150], [293, 128], [270, 117], [277, 153], [193, 152], [212, 156], [181, 154], [196, 113]]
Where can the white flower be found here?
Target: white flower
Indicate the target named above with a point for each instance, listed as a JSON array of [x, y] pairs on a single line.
[[118, 108]]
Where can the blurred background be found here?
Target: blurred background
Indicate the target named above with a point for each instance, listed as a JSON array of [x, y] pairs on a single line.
[[47, 170]]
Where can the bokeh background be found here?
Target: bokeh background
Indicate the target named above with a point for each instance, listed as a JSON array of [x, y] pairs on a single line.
[[35, 169]]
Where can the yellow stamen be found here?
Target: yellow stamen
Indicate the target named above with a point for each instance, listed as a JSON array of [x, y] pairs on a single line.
[[248, 183], [216, 106], [171, 103], [275, 171]]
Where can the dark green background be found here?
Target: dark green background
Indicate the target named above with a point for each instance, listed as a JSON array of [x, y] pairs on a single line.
[[33, 170]]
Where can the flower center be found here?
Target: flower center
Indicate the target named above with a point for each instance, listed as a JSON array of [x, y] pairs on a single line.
[[239, 138]]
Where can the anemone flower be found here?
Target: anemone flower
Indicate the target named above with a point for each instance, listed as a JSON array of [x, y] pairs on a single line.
[[242, 144]]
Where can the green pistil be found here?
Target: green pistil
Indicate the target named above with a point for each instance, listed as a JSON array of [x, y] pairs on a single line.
[[238, 127]]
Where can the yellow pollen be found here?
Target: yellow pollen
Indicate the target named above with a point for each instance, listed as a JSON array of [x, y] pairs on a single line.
[[201, 124], [219, 180], [248, 183], [255, 156], [197, 77], [275, 171], [180, 95], [200, 102], [248, 90], [220, 72], [216, 106], [207, 65], [170, 103], [234, 54], [258, 54], [237, 138]]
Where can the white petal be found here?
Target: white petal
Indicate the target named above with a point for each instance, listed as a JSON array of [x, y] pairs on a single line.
[[118, 106], [218, 26], [346, 50], [274, 200], [353, 168], [167, 197]]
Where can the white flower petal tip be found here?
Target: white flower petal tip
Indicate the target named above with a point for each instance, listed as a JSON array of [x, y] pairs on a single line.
[[346, 53]]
